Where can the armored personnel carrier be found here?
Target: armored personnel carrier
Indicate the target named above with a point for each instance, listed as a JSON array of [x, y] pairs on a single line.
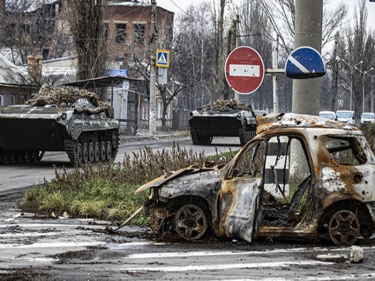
[[224, 118], [59, 119]]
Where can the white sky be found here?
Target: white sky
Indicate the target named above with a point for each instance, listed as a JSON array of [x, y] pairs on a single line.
[[177, 6]]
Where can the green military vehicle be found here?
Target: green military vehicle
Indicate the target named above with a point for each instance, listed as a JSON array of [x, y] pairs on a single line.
[[224, 118]]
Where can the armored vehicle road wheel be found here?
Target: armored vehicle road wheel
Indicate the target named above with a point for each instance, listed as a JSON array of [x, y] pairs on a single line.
[[79, 154], [115, 139], [102, 151], [91, 152], [85, 148], [245, 136], [109, 150], [96, 152], [344, 228], [37, 155], [190, 222]]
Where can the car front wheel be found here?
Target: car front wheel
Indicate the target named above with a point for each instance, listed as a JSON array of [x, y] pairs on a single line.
[[190, 222]]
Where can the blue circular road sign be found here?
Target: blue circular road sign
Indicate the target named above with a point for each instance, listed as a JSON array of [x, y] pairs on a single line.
[[305, 62]]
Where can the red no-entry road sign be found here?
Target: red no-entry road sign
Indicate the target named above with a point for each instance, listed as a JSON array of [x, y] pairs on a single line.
[[244, 70]]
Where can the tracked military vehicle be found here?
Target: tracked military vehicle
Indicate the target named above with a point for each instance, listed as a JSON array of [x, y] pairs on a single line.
[[224, 118], [59, 119]]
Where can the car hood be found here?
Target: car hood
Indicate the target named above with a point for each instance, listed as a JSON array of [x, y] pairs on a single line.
[[174, 174]]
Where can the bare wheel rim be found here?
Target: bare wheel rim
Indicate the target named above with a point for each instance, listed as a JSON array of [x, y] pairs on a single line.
[[190, 222], [109, 150], [79, 154], [96, 152], [102, 151], [344, 228]]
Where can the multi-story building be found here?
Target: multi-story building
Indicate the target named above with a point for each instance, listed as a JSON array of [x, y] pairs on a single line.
[[127, 26]]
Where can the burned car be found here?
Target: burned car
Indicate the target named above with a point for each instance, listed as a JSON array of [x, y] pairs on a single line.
[[301, 178]]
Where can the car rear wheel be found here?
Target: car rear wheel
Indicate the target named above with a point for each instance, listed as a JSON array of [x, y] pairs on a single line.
[[190, 222], [344, 228]]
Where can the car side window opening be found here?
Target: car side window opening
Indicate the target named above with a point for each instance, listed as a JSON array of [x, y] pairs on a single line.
[[345, 150], [251, 162]]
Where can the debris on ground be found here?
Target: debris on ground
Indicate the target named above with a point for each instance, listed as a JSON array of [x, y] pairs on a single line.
[[356, 254], [332, 257]]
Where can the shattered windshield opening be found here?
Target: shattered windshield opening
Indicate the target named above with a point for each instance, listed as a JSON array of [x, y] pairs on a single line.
[[345, 150]]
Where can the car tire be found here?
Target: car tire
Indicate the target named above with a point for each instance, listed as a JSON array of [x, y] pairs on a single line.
[[190, 222]]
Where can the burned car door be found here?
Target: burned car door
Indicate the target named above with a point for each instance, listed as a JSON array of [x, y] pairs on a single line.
[[240, 192], [260, 195]]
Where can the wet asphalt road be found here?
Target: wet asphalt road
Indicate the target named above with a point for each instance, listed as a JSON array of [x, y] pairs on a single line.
[[36, 248]]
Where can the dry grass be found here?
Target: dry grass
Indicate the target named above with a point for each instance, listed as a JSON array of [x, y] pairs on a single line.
[[107, 191]]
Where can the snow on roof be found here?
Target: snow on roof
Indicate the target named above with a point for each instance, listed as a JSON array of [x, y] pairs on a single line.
[[129, 3], [13, 75]]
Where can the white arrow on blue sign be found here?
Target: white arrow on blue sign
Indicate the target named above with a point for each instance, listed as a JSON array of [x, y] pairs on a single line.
[[305, 62]]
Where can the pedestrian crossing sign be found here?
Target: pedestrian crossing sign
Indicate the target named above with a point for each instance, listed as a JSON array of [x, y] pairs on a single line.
[[340, 103], [162, 58]]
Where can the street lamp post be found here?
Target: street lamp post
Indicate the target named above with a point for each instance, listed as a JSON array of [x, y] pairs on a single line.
[[372, 87], [363, 85], [351, 79]]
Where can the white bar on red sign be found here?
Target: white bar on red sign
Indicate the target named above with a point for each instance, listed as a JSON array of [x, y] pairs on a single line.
[[244, 70]]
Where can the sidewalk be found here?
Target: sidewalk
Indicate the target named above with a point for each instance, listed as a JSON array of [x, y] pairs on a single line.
[[145, 135]]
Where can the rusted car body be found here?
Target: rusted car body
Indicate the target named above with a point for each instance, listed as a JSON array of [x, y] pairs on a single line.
[[302, 177]]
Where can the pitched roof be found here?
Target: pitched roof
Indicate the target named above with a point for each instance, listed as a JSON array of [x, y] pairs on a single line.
[[11, 75]]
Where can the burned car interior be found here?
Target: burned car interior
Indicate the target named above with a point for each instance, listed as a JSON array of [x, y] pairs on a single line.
[[301, 177], [282, 203]]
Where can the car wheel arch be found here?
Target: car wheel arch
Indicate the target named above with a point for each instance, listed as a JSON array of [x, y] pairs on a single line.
[[360, 209]]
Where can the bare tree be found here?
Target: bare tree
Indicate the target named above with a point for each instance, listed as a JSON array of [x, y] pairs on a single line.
[[28, 25], [86, 26], [357, 45], [192, 55], [281, 14]]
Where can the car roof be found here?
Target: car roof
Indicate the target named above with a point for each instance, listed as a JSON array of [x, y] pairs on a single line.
[[326, 111], [293, 120]]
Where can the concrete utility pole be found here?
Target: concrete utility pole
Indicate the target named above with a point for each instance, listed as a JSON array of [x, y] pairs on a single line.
[[152, 117], [275, 59], [308, 32]]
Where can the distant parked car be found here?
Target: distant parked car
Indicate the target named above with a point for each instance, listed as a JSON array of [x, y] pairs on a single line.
[[328, 115], [345, 116], [367, 118]]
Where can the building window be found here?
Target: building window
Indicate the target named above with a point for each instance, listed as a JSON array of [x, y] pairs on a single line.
[[120, 33], [139, 33], [169, 115], [26, 29], [159, 111], [1, 100], [45, 54], [105, 31], [145, 113], [12, 99]]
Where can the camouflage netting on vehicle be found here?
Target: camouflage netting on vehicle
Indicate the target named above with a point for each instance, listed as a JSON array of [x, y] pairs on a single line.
[[226, 105], [48, 95]]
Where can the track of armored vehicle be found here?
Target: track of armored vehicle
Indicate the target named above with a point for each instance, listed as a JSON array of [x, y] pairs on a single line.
[[78, 125]]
